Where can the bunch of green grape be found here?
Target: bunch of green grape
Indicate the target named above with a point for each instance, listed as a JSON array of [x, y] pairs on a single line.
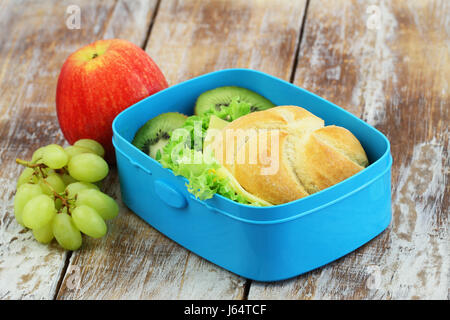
[[58, 194]]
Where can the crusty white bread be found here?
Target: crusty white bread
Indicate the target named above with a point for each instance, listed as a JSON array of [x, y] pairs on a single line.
[[286, 153]]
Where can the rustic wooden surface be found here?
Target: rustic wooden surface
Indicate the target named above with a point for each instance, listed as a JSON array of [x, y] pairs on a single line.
[[387, 62], [395, 77]]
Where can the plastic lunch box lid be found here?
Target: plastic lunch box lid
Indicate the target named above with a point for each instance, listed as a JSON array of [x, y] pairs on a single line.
[[277, 213]]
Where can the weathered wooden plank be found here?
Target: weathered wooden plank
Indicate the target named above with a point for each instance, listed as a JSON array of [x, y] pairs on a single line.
[[388, 63], [198, 37], [34, 43], [188, 38]]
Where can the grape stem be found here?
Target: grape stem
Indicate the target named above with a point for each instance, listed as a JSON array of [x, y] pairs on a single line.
[[29, 164], [64, 200], [43, 174]]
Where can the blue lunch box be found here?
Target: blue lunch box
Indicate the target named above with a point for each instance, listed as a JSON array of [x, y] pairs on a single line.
[[259, 243]]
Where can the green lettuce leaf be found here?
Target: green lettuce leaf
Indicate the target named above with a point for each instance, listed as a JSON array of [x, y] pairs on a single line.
[[234, 110], [183, 154]]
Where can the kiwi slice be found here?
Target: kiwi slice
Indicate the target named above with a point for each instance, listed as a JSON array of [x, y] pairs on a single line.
[[155, 133], [221, 97]]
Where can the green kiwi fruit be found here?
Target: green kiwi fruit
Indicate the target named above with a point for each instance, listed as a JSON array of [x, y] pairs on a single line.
[[155, 133], [221, 97]]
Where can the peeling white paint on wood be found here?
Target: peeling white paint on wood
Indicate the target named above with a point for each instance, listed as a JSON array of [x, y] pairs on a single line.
[[190, 38], [417, 242], [393, 86], [32, 52], [375, 64]]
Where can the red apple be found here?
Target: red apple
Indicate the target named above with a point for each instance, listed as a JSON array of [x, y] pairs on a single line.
[[97, 82]]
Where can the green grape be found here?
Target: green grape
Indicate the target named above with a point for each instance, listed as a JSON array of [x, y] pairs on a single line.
[[74, 150], [58, 203], [65, 232], [88, 167], [73, 188], [38, 211], [105, 206], [37, 155], [54, 156], [89, 221], [92, 145], [53, 181], [25, 193], [67, 179], [44, 234], [26, 176]]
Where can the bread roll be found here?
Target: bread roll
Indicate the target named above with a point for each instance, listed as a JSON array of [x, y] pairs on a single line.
[[286, 153]]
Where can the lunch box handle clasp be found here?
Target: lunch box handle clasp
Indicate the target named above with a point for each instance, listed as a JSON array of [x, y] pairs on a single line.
[[169, 194]]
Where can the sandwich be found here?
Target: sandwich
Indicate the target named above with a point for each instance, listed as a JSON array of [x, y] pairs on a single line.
[[251, 151]]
